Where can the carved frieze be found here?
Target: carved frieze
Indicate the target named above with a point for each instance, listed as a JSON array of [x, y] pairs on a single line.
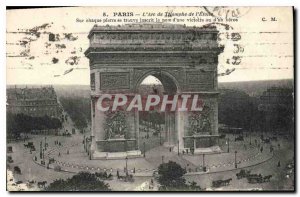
[[114, 80], [203, 80], [200, 122], [115, 125], [147, 36]]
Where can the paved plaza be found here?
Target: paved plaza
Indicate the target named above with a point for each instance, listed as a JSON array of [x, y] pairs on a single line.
[[70, 154], [72, 157]]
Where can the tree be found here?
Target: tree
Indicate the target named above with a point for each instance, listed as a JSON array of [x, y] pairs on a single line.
[[21, 123], [79, 110], [236, 108], [83, 181], [171, 178]]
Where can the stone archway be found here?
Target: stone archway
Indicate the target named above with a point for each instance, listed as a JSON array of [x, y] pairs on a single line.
[[185, 59], [171, 87]]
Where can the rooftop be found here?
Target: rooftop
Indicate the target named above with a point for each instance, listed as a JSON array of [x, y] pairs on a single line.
[[43, 93]]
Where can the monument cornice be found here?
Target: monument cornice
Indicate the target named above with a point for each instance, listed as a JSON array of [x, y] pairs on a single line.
[[88, 52], [150, 28]]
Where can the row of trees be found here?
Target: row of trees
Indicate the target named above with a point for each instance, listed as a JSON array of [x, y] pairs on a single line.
[[238, 109], [21, 123], [171, 178], [78, 109], [152, 118]]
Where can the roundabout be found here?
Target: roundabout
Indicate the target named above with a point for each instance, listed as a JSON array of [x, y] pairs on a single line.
[[72, 157]]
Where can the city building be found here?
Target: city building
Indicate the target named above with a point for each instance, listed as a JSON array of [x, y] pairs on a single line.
[[35, 102]]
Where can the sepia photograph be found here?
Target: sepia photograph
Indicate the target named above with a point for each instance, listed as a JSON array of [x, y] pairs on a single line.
[[173, 99]]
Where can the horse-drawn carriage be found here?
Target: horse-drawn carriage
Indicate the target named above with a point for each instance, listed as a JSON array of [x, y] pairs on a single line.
[[220, 183], [9, 149], [222, 136], [67, 134], [255, 178], [30, 145], [243, 174], [104, 175], [128, 178], [258, 178], [17, 170], [266, 140], [239, 138], [51, 160], [9, 159]]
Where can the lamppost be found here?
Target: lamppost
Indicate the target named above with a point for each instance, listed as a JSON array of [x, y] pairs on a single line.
[[160, 136], [86, 144], [144, 149], [178, 147], [45, 143], [41, 149], [203, 163], [228, 144], [235, 164], [126, 159]]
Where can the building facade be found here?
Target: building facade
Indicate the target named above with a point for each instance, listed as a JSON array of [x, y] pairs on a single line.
[[277, 105], [35, 102], [184, 59]]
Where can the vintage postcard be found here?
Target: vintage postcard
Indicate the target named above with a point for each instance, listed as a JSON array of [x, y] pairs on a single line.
[[150, 99]]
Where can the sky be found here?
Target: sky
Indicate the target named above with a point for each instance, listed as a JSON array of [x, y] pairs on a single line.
[[265, 47]]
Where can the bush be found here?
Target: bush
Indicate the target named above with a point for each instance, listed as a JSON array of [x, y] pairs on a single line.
[[83, 181]]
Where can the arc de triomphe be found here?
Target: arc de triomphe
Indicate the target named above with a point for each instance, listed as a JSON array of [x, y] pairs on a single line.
[[184, 59]]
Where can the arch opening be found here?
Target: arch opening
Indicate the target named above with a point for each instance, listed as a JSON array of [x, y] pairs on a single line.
[[168, 82], [157, 129]]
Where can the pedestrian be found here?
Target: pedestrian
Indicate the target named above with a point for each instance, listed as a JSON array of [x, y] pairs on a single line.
[[261, 149], [278, 164], [271, 148]]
